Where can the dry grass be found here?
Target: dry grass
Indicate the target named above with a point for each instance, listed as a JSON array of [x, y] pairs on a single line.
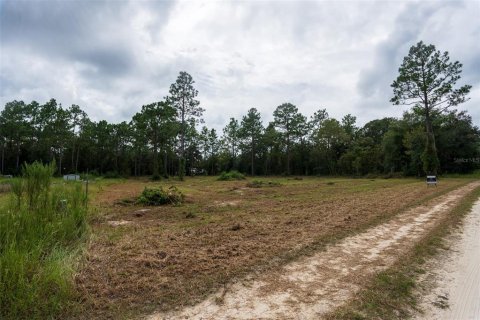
[[166, 257], [392, 293]]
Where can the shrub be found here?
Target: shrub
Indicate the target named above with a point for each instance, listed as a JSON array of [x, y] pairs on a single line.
[[159, 196], [232, 175]]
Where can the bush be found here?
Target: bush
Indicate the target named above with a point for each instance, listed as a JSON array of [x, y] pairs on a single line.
[[232, 175], [261, 184], [40, 229], [159, 196]]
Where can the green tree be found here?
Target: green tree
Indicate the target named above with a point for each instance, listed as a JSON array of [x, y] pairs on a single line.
[[230, 139], [250, 132], [349, 125], [77, 118], [15, 129], [157, 122], [427, 81], [290, 123], [329, 139], [182, 98]]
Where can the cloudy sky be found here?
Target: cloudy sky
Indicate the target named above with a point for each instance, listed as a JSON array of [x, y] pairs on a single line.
[[111, 57]]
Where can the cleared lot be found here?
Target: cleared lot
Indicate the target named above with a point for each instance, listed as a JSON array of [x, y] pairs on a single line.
[[144, 259]]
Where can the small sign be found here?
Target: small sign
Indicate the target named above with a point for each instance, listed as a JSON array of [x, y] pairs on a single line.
[[432, 180]]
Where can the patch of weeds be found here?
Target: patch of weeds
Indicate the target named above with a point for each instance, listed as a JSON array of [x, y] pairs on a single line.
[[262, 184], [232, 175], [126, 201], [330, 183], [159, 196]]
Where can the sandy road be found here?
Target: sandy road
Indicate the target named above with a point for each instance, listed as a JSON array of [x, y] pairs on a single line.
[[312, 286], [456, 275]]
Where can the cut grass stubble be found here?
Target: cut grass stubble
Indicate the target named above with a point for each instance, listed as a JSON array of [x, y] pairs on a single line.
[[172, 261]]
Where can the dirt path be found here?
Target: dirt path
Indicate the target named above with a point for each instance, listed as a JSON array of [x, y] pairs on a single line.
[[455, 275], [312, 286]]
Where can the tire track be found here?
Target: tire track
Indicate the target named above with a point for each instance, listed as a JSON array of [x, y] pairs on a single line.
[[312, 286]]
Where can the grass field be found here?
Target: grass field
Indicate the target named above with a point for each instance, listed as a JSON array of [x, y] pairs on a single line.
[[144, 258], [41, 227]]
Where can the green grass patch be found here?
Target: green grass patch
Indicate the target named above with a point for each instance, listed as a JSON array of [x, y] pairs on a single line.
[[41, 226]]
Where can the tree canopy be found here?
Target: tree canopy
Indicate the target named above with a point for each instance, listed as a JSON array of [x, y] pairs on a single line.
[[164, 138], [427, 80]]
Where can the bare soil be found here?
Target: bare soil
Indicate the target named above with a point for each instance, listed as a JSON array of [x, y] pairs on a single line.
[[141, 260], [450, 288], [313, 286]]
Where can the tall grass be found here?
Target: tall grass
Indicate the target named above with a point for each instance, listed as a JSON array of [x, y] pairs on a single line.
[[40, 229]]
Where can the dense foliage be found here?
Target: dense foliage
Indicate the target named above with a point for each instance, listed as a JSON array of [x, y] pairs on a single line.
[[231, 175], [164, 139]]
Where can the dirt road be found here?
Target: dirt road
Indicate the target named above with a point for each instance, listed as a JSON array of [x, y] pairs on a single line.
[[312, 286], [454, 288]]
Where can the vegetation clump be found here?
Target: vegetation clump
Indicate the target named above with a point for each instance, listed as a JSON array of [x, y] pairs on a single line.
[[231, 175], [262, 184], [40, 230], [159, 196]]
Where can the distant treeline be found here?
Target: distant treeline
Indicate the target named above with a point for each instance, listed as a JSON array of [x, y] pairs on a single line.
[[150, 144]]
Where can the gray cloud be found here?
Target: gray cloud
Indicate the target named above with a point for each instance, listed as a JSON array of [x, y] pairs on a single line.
[[110, 57], [439, 23]]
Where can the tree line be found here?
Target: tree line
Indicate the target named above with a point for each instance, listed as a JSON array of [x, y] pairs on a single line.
[[168, 137]]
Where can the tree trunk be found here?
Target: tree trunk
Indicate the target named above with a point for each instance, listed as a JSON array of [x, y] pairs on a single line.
[[155, 155], [60, 164], [253, 157], [288, 155], [73, 155], [181, 162], [165, 165], [429, 157], [76, 161], [3, 158], [18, 156], [135, 165]]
